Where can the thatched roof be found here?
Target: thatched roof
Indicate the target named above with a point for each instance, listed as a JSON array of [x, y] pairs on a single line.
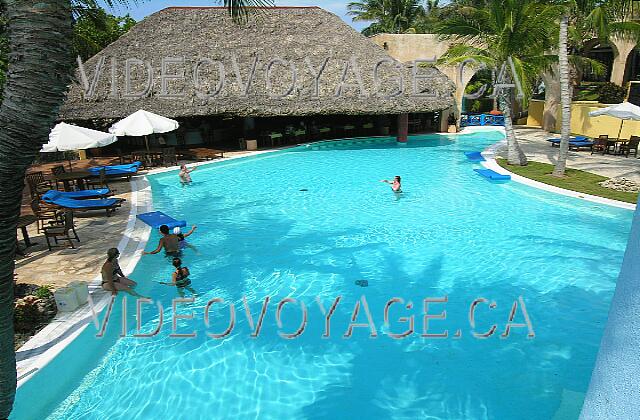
[[299, 35]]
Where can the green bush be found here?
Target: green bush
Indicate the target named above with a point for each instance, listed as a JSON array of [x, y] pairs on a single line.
[[43, 292], [610, 93]]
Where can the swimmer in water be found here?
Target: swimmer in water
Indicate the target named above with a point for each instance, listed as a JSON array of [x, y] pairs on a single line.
[[168, 241], [396, 185], [180, 278], [182, 244], [185, 177]]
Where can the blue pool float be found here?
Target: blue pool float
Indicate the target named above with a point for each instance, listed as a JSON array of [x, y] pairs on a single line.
[[474, 156], [493, 175], [155, 219]]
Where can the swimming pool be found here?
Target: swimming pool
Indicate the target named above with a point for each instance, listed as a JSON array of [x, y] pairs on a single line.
[[309, 223]]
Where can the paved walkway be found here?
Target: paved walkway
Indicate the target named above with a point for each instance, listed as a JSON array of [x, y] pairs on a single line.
[[536, 148]]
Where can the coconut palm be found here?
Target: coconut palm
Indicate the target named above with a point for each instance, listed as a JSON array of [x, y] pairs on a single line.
[[40, 66], [388, 16], [596, 18], [511, 37]]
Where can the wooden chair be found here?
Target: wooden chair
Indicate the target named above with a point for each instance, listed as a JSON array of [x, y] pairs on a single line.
[[632, 144], [601, 144], [100, 182], [62, 230], [45, 215], [37, 184], [58, 170], [124, 158]]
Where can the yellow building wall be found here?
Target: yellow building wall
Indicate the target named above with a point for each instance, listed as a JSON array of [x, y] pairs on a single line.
[[582, 123], [536, 108]]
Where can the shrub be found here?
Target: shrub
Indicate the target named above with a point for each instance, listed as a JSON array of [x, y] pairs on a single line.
[[43, 292], [610, 93]]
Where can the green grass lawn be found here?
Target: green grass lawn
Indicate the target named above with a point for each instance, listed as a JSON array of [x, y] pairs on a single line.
[[575, 180]]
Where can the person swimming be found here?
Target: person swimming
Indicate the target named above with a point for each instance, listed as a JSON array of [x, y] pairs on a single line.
[[396, 184], [182, 243], [184, 175], [180, 278], [169, 242]]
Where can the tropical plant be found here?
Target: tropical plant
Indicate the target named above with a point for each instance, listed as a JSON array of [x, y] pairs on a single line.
[[512, 38], [388, 16], [40, 66], [93, 32]]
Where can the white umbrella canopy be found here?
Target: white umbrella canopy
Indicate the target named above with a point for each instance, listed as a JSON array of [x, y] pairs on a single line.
[[65, 137], [624, 111], [143, 123]]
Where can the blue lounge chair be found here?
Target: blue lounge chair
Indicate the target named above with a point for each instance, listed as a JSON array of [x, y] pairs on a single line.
[[117, 170], [474, 156], [576, 139], [56, 198], [493, 175], [84, 194]]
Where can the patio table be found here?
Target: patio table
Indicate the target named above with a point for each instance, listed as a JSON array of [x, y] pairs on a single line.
[[78, 176]]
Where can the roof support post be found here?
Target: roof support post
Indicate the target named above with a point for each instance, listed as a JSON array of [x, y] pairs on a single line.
[[403, 128]]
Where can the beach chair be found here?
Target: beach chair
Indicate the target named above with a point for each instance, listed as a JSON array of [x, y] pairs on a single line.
[[632, 144], [57, 199], [117, 171], [62, 231]]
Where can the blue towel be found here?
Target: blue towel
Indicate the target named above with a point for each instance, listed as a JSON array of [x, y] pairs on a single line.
[[129, 168], [474, 156], [81, 194], [489, 174], [155, 219], [56, 197]]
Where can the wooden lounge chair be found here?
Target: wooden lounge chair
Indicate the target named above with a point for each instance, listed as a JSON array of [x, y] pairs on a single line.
[[62, 230], [202, 153], [601, 144], [632, 144]]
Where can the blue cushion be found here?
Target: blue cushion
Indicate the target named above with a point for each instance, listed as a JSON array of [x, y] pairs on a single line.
[[155, 219], [489, 174]]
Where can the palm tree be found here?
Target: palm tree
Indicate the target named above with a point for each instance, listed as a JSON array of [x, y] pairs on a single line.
[[388, 16], [511, 37], [39, 73], [602, 19]]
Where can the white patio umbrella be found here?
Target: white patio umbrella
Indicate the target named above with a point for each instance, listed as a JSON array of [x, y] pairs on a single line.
[[143, 123], [65, 137], [623, 111]]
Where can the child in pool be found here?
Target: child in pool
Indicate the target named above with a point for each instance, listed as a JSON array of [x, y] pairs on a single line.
[[182, 243], [396, 185], [185, 177], [180, 278]]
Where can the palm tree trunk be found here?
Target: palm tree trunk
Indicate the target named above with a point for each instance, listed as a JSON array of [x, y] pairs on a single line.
[[515, 156], [40, 66], [565, 98]]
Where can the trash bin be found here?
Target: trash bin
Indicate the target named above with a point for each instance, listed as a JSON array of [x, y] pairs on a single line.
[[66, 299], [252, 144], [82, 291]]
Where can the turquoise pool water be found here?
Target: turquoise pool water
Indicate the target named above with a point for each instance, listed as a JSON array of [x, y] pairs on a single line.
[[311, 222]]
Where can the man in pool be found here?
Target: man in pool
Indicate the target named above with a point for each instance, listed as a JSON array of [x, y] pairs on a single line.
[[184, 175], [169, 241], [396, 185]]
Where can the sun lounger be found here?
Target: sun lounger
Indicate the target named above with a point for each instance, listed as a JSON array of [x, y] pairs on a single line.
[[83, 194], [155, 219], [126, 170], [493, 175], [578, 144], [576, 139], [56, 198], [474, 156]]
